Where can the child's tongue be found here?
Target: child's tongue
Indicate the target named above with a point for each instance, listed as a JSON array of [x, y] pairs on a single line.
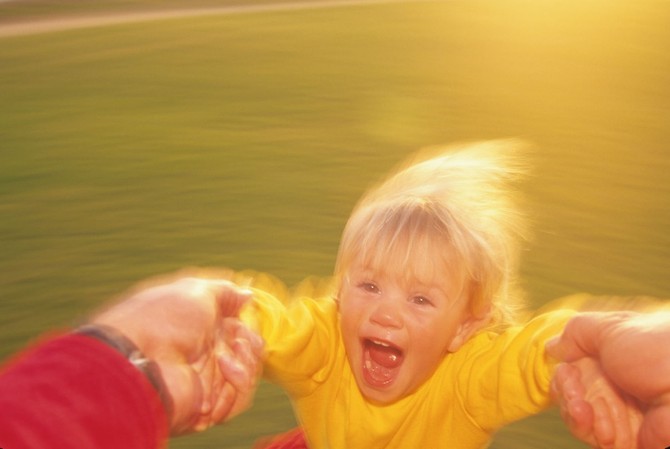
[[386, 356], [380, 362]]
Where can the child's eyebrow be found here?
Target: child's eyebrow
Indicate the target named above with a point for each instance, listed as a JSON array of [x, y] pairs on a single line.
[[429, 289]]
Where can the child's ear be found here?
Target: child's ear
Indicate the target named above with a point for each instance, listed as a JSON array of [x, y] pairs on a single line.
[[467, 329]]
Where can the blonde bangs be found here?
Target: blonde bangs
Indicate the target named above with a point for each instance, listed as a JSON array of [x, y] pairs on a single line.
[[453, 214], [407, 241]]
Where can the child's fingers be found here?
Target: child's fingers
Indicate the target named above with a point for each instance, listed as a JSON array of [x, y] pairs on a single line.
[[245, 345], [603, 425], [239, 387], [242, 350], [581, 419], [235, 372], [568, 392], [566, 384], [233, 329], [256, 343]]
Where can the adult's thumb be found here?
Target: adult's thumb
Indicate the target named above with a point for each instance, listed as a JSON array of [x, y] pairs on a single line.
[[230, 297], [579, 338]]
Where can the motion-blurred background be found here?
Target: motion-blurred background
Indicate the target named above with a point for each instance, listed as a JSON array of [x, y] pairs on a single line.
[[244, 139]]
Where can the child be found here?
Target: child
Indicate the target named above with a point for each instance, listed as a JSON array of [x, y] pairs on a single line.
[[416, 345]]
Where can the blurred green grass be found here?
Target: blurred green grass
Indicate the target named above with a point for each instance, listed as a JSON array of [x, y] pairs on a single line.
[[244, 141], [12, 11]]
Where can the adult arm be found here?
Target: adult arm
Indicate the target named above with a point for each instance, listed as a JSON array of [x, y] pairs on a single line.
[[80, 390], [75, 391], [207, 359]]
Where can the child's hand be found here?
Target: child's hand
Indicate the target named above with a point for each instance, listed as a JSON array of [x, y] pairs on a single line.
[[594, 410], [241, 366]]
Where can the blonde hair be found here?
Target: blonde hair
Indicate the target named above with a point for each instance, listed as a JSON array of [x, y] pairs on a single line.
[[458, 206]]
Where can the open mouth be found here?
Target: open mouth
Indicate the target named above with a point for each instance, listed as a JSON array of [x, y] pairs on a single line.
[[381, 362]]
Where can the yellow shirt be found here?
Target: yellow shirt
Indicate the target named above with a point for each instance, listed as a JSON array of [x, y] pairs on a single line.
[[492, 380]]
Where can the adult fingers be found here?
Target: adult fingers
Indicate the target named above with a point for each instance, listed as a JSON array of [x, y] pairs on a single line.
[[221, 408], [611, 408], [635, 419], [579, 339], [612, 426], [225, 405], [186, 391], [655, 432], [584, 335], [618, 412]]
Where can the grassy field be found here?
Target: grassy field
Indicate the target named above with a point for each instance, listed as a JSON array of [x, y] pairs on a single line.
[[244, 141], [13, 11]]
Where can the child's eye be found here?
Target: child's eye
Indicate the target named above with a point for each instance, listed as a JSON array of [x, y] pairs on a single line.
[[369, 287], [421, 301]]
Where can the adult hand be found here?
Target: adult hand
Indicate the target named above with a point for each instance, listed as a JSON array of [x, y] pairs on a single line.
[[593, 408], [209, 361], [634, 354]]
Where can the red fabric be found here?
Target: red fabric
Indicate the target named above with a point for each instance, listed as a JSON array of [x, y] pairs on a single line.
[[76, 392], [293, 439]]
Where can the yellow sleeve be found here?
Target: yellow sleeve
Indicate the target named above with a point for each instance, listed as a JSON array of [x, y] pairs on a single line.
[[505, 377], [300, 334]]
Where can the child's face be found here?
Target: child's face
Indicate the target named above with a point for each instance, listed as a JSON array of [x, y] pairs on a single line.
[[396, 331]]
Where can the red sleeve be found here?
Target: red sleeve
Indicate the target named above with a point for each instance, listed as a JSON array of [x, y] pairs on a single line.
[[76, 392]]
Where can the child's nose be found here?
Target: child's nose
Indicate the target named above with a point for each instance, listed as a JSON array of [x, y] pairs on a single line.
[[387, 314]]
